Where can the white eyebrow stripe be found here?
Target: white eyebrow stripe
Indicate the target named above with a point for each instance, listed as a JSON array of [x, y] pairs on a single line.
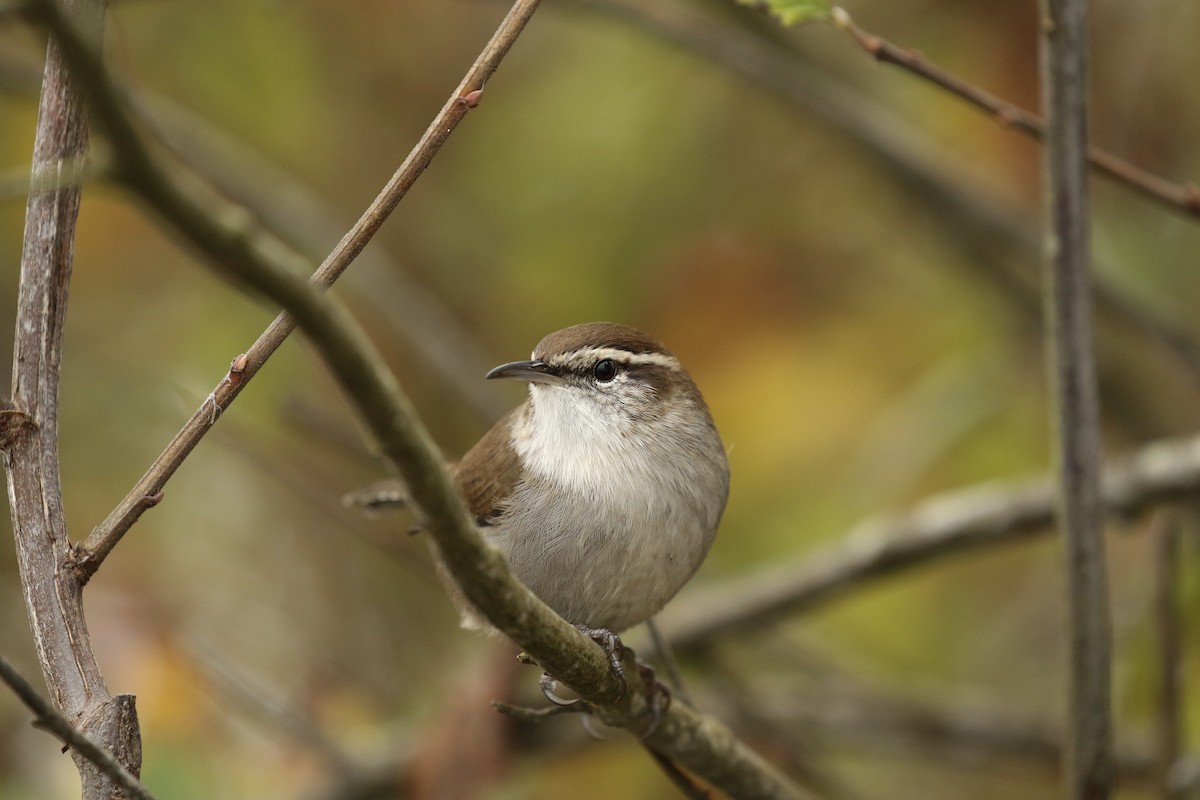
[[590, 355]]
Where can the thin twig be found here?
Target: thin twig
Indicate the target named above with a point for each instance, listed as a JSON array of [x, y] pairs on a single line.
[[940, 526], [302, 215], [92, 552], [1182, 198], [527, 714], [989, 235], [298, 213], [49, 718], [1075, 405]]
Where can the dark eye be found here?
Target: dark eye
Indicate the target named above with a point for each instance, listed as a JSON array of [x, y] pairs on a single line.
[[605, 370]]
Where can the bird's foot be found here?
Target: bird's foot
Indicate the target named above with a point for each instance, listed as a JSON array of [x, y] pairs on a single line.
[[657, 696], [549, 687], [610, 643]]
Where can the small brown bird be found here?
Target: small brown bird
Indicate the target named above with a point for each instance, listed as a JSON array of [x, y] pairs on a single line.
[[603, 489]]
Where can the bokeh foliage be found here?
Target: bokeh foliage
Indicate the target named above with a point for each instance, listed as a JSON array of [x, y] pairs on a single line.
[[855, 354]]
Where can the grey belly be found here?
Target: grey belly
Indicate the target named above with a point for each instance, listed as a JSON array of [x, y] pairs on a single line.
[[602, 576]]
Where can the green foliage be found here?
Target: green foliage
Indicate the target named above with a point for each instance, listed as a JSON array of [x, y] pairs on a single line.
[[792, 12]]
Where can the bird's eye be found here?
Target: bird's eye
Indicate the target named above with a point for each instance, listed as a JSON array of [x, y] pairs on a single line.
[[605, 370]]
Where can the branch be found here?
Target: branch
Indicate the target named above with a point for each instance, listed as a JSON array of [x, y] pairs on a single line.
[[1079, 507], [136, 168], [298, 213], [943, 525], [29, 436], [48, 718], [829, 712], [701, 744], [1184, 199], [917, 731]]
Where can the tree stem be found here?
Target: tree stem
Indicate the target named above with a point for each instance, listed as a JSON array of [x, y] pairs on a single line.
[[1075, 414]]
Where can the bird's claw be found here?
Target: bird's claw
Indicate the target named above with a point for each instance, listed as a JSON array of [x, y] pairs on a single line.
[[658, 696], [611, 644], [549, 688]]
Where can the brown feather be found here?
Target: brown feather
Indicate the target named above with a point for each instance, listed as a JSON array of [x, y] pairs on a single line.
[[489, 471], [598, 334]]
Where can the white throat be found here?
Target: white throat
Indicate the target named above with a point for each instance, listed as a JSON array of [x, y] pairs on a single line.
[[580, 441]]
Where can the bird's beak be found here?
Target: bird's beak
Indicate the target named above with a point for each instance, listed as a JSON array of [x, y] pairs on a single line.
[[532, 371]]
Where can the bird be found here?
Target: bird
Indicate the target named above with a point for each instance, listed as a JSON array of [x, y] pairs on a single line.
[[604, 489]]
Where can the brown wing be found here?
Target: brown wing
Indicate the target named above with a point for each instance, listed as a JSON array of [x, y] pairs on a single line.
[[487, 474]]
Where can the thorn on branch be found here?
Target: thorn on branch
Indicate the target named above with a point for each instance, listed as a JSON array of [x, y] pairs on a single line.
[[81, 562], [237, 370], [471, 98]]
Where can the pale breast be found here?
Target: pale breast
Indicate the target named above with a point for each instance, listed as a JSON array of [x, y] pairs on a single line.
[[598, 530]]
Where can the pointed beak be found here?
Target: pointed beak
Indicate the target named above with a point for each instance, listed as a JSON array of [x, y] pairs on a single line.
[[532, 371]]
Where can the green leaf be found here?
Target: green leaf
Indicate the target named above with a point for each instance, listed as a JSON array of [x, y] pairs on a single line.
[[792, 12]]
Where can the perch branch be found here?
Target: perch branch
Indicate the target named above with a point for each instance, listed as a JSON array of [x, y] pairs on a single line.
[[701, 744], [1182, 198], [943, 525]]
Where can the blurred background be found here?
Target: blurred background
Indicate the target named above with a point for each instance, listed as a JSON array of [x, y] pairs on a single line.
[[843, 256]]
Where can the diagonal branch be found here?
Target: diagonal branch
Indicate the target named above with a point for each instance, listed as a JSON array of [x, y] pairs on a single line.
[[147, 492], [49, 718], [950, 523], [699, 743], [300, 214], [1182, 198]]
